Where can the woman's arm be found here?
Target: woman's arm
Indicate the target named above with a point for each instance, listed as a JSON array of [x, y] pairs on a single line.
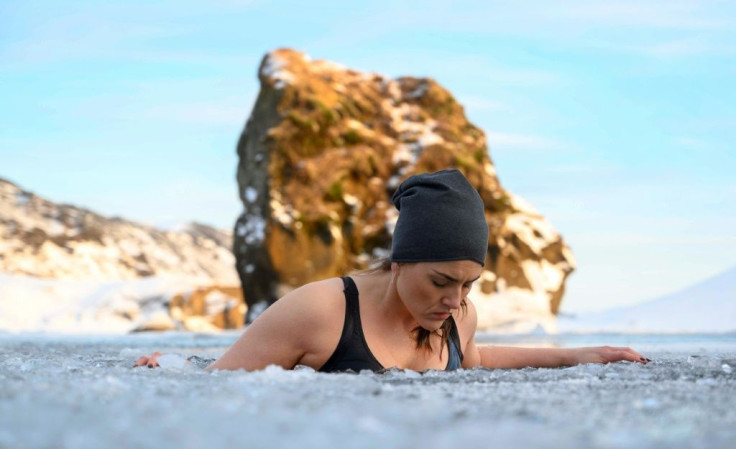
[[512, 357], [303, 327]]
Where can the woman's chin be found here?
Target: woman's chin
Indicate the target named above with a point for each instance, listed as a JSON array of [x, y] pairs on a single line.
[[431, 326]]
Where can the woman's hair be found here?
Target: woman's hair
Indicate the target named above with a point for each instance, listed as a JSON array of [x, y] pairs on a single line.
[[421, 335]]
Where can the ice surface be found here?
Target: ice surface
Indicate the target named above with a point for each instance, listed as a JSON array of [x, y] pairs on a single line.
[[81, 392]]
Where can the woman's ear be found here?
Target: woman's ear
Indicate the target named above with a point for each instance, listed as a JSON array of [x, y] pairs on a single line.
[[394, 271]]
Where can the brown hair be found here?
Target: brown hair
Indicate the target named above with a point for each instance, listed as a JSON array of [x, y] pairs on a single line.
[[421, 335]]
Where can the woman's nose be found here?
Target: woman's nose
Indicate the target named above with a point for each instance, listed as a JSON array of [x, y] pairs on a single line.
[[454, 298]]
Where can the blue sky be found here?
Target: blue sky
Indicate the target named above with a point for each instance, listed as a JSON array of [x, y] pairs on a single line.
[[615, 119]]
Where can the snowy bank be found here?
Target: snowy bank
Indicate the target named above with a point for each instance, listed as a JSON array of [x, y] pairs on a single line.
[[81, 307]]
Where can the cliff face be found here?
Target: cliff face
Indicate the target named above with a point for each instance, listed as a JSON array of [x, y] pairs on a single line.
[[322, 153], [44, 239]]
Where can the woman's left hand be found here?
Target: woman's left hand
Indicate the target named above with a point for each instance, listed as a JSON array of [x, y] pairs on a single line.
[[608, 354], [150, 361]]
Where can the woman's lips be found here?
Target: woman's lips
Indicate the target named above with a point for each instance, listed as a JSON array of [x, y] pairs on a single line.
[[441, 315]]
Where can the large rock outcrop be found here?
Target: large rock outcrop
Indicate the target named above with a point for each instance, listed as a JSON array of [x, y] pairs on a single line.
[[320, 156]]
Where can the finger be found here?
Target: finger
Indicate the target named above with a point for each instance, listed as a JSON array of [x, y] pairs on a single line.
[[153, 360], [618, 354], [633, 356], [142, 360]]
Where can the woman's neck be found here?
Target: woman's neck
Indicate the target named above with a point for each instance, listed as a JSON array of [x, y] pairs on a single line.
[[380, 290]]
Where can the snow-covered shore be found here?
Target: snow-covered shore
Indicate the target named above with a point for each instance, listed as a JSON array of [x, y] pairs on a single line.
[[30, 304], [80, 392]]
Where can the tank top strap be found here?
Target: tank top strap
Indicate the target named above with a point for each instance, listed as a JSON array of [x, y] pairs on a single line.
[[454, 347], [351, 297]]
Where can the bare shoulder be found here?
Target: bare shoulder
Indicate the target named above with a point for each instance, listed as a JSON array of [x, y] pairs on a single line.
[[312, 317], [313, 301], [315, 306]]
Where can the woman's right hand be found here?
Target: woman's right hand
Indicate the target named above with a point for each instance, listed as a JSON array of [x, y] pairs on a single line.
[[150, 361]]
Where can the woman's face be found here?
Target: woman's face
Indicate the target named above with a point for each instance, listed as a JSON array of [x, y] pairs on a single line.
[[431, 291]]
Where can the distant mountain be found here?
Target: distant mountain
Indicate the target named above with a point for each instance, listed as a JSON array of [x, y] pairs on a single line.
[[67, 269], [44, 239], [708, 306]]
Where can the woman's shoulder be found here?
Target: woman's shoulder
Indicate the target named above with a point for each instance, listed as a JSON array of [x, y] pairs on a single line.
[[325, 290], [315, 300], [312, 315]]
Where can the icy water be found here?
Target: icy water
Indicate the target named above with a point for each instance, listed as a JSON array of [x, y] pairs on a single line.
[[80, 392]]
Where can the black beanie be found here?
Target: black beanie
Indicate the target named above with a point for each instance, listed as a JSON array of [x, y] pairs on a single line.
[[441, 218]]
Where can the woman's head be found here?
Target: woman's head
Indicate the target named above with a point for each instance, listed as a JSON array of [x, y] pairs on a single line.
[[432, 291], [441, 218]]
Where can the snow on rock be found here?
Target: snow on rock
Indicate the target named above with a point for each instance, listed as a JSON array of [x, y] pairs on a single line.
[[542, 261], [251, 194], [274, 69], [252, 229], [532, 229]]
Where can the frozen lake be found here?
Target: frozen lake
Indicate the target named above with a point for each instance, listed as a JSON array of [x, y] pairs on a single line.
[[80, 392]]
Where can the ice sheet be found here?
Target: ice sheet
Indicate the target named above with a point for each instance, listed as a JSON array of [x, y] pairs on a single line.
[[80, 392]]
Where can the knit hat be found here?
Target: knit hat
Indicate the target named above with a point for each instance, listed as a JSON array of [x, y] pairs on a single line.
[[441, 218]]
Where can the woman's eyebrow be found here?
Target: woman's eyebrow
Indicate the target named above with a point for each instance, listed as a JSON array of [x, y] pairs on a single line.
[[450, 278]]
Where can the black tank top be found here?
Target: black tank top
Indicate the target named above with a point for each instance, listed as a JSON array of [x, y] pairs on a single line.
[[352, 352]]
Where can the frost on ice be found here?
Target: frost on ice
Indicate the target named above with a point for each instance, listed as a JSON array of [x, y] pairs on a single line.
[[85, 393]]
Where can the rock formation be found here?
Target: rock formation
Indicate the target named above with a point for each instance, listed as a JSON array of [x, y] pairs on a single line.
[[322, 153]]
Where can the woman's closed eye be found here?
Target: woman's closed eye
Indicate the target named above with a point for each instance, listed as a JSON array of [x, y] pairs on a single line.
[[444, 283]]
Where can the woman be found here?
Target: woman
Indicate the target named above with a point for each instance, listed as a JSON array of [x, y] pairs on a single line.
[[412, 313]]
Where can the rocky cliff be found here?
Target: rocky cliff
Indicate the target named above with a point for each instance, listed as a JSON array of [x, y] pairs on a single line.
[[44, 239], [121, 267], [320, 156]]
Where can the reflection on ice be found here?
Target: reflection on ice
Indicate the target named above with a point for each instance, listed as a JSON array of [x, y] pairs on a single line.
[[86, 394]]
